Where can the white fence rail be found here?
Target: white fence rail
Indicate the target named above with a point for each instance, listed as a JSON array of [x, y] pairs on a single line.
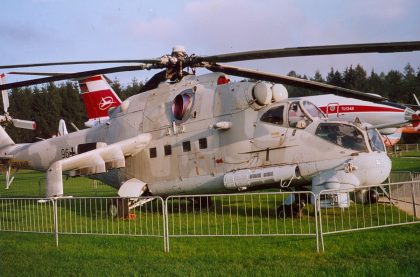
[[404, 148], [245, 214], [397, 204], [26, 215]]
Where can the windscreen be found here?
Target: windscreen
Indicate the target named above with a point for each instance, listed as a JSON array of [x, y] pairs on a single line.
[[347, 136], [375, 140]]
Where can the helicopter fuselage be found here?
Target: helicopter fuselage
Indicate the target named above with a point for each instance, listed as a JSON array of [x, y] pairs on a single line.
[[212, 136]]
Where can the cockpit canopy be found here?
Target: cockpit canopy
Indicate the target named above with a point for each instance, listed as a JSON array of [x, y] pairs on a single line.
[[300, 114]]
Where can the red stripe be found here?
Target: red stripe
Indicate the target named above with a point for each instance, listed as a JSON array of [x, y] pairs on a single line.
[[91, 79], [2, 75], [359, 109]]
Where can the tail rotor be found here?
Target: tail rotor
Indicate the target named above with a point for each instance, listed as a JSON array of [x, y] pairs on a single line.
[[6, 118]]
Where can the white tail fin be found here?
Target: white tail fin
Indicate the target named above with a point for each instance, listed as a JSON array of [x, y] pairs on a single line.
[[62, 128]]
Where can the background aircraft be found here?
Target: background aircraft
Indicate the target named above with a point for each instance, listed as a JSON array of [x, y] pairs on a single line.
[[390, 118]]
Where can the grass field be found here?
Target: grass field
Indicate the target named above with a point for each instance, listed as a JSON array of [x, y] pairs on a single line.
[[380, 252], [386, 252]]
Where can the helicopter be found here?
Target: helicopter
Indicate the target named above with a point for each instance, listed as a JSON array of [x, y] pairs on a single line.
[[189, 134]]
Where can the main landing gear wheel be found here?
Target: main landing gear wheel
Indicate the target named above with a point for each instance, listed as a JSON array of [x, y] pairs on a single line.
[[118, 208], [294, 210]]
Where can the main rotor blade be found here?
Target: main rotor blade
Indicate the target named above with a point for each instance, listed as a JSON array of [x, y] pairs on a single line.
[[293, 81], [52, 74], [149, 61], [388, 47], [76, 75], [38, 73]]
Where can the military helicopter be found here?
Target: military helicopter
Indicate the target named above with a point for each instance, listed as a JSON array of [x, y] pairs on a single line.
[[188, 134]]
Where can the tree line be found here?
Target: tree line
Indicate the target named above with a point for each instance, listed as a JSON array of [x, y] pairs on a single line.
[[48, 103]]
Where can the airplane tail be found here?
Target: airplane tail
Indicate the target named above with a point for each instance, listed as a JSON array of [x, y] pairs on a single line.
[[98, 96]]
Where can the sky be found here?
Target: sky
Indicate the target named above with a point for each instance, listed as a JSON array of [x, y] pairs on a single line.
[[34, 31]]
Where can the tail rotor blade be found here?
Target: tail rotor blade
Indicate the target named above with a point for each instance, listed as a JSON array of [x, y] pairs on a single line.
[[4, 93], [24, 124]]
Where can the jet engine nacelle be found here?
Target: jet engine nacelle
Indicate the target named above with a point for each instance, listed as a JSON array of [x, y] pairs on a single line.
[[263, 93]]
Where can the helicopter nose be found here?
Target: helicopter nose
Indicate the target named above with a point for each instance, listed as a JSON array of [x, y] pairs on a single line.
[[372, 168]]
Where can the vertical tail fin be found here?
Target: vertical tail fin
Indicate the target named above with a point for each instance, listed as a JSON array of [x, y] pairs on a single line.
[[98, 96], [62, 128]]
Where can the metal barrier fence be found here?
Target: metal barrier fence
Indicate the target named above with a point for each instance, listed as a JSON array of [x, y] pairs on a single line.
[[404, 148], [82, 216], [371, 207], [245, 214], [26, 215], [400, 176]]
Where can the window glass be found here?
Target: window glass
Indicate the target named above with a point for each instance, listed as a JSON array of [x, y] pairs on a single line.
[[312, 110], [375, 140], [168, 150], [202, 143], [153, 152], [186, 146], [297, 118], [274, 115], [344, 135]]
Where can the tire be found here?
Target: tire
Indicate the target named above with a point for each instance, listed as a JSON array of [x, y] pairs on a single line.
[[118, 208]]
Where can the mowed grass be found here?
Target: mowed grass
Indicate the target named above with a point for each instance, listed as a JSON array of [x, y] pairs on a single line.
[[406, 163], [387, 252], [378, 252]]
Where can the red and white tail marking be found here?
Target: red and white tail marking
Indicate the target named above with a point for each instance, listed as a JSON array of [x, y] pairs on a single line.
[[98, 96]]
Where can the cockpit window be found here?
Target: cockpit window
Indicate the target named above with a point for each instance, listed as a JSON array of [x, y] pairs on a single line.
[[297, 118], [274, 115], [375, 140], [346, 136], [313, 110]]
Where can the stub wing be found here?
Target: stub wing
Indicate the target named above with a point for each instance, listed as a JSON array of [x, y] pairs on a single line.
[[93, 162]]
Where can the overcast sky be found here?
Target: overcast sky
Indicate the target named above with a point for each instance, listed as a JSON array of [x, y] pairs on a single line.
[[66, 30]]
